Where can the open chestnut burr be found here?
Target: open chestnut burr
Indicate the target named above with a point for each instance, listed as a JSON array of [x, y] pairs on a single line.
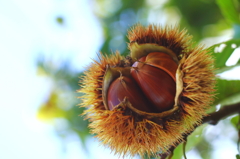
[[144, 103]]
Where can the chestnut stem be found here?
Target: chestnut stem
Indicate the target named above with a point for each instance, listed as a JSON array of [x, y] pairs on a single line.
[[213, 119]]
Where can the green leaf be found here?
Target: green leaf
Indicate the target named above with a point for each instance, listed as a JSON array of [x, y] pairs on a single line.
[[227, 68], [228, 91], [234, 121], [222, 52], [229, 11], [231, 100]]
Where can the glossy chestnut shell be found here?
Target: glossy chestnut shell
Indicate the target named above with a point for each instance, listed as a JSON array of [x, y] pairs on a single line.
[[150, 86]]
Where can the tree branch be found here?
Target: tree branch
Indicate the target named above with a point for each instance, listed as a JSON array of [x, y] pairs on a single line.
[[213, 119], [225, 111]]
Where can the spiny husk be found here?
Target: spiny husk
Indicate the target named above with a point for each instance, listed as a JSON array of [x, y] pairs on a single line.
[[169, 37], [129, 133], [92, 82]]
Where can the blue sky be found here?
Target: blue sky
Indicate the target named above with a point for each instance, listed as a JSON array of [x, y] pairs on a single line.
[[27, 29]]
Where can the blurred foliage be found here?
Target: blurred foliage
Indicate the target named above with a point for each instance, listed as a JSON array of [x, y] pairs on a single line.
[[200, 17], [62, 102], [116, 23], [203, 18], [60, 20]]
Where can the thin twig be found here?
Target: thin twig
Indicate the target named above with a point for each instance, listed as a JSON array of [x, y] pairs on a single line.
[[184, 149], [238, 127]]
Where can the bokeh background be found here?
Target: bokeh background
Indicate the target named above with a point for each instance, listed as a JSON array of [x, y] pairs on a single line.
[[45, 45]]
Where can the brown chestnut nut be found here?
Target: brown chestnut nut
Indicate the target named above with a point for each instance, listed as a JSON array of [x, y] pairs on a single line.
[[154, 74], [124, 87]]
